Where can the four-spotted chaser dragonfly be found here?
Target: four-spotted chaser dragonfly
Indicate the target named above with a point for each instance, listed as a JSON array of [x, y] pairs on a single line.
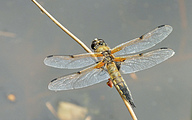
[[107, 66]]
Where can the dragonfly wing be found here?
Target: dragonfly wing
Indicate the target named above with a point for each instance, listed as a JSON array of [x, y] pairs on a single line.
[[84, 78], [144, 42], [70, 61], [139, 62]]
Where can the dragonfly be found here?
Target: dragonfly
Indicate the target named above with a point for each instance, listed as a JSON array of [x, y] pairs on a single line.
[[108, 64]]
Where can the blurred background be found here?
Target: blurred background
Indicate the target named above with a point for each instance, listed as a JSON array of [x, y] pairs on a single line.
[[27, 36]]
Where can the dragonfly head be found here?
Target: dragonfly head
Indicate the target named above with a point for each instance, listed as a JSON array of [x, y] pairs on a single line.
[[97, 43]]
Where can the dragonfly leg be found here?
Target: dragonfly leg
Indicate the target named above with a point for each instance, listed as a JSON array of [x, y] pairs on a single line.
[[110, 83]]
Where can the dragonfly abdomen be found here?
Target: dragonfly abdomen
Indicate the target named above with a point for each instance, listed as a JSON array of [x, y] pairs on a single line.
[[124, 90], [119, 83]]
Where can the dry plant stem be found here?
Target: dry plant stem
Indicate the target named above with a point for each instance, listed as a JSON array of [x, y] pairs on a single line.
[[84, 46], [130, 109], [134, 117], [62, 27]]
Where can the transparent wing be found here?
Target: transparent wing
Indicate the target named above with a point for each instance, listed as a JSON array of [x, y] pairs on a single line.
[[139, 62], [71, 61], [144, 42], [84, 78]]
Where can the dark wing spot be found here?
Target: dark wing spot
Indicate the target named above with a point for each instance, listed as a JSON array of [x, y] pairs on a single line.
[[71, 56], [141, 37], [79, 72], [118, 65], [53, 79], [161, 26], [49, 56], [141, 54], [164, 48]]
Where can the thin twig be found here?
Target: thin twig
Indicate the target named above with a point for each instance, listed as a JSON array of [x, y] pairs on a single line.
[[84, 46], [127, 104], [184, 25], [132, 113], [62, 27]]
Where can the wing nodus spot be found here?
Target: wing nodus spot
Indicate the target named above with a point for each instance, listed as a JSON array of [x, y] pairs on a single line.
[[141, 54], [141, 37], [71, 56]]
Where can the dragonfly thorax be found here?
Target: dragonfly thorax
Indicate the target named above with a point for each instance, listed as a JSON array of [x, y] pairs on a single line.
[[106, 53], [108, 57]]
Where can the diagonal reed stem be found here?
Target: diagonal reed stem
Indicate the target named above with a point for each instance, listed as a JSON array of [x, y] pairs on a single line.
[[61, 26], [84, 46]]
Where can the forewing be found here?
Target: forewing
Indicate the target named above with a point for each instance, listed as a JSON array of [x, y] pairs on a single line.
[[84, 78], [144, 42], [71, 61], [139, 62]]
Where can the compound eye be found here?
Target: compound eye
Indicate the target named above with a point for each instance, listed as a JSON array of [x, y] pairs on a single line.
[[93, 46], [94, 43], [101, 42]]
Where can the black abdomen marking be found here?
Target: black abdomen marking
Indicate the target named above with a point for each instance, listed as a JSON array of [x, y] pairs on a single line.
[[126, 93]]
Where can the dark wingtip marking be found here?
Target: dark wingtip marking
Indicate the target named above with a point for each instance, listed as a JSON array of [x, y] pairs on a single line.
[[140, 54], [53, 79], [49, 56], [164, 48], [161, 26], [79, 72], [141, 37]]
